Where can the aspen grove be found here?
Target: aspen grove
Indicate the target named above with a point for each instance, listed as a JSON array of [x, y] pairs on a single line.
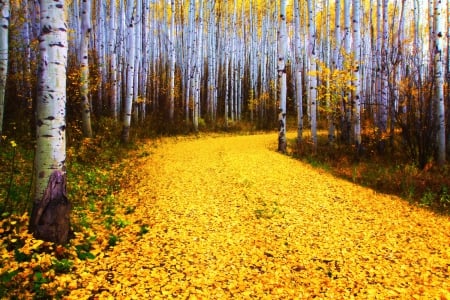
[[372, 68], [224, 149]]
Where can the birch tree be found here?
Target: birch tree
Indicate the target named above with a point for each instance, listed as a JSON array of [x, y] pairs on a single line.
[[439, 77], [131, 45], [172, 62], [137, 101], [282, 47], [384, 83], [357, 71], [51, 208], [298, 72], [346, 103], [84, 49], [312, 69], [4, 26], [113, 60]]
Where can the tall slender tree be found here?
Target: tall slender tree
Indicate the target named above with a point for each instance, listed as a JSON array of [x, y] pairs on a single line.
[[439, 77], [172, 61], [357, 71], [312, 51], [282, 47], [298, 71], [131, 45], [384, 76], [51, 208], [84, 49], [4, 26], [113, 103]]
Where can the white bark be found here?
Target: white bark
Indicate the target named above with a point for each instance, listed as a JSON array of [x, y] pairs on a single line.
[[337, 36], [189, 60], [327, 50], [298, 72], [84, 64], [137, 59], [113, 60], [101, 52], [4, 28], [51, 101], [357, 71], [384, 93], [198, 65], [347, 105], [281, 70], [312, 69], [439, 76], [131, 45], [211, 100], [172, 62]]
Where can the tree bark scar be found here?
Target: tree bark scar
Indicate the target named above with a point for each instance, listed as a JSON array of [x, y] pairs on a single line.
[[50, 219]]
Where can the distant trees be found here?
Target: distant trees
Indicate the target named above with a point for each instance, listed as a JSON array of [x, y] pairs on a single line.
[[363, 70]]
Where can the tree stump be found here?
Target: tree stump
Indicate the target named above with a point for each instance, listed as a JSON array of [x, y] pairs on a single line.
[[50, 218]]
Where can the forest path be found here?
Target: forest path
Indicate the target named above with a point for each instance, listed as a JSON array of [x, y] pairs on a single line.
[[229, 217]]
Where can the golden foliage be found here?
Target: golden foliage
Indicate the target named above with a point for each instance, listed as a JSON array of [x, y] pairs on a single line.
[[227, 218]]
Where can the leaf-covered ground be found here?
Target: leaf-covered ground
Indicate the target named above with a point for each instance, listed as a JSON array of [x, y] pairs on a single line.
[[227, 217]]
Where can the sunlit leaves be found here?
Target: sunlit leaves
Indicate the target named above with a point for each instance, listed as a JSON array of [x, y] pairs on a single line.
[[216, 218]]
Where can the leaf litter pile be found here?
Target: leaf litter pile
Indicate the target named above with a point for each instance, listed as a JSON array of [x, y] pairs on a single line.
[[223, 217]]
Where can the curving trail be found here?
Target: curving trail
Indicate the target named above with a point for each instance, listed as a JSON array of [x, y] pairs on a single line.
[[230, 218]]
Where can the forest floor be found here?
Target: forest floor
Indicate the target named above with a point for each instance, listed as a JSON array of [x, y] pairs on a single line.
[[227, 217]]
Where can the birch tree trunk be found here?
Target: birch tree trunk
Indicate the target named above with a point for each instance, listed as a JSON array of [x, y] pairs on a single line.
[[439, 76], [190, 45], [84, 86], [327, 50], [337, 36], [51, 210], [172, 62], [347, 101], [298, 72], [137, 59], [4, 27], [131, 45], [384, 92], [282, 45], [357, 71], [312, 69], [198, 66], [113, 61]]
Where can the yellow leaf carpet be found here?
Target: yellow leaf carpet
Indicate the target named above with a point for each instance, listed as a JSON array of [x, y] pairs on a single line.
[[230, 218]]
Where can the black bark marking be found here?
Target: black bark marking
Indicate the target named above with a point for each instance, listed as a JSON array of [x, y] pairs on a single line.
[[46, 29], [58, 44]]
